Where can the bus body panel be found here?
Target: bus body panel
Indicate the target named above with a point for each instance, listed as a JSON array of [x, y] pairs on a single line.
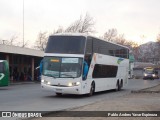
[[108, 83], [101, 84], [60, 85], [113, 62]]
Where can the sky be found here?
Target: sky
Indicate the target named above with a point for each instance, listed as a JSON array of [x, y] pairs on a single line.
[[138, 20]]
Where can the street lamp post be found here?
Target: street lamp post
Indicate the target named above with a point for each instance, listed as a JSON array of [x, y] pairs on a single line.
[[23, 23]]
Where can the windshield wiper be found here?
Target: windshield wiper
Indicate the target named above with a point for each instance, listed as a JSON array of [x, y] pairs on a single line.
[[53, 76], [50, 76], [68, 75]]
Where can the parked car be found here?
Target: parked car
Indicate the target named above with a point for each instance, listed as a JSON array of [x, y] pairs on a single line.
[[150, 73]]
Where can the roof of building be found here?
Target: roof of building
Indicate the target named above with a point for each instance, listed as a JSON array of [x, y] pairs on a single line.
[[20, 50]]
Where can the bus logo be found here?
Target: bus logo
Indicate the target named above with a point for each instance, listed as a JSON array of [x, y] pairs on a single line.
[[6, 114], [120, 60], [1, 76]]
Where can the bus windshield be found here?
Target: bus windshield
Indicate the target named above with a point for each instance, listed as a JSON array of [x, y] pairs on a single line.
[[66, 44], [1, 67], [149, 71], [62, 67]]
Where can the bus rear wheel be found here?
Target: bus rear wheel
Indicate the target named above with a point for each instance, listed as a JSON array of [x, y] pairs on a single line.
[[121, 85], [117, 86]]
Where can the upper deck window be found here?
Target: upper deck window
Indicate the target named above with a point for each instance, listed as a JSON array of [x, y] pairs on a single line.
[[66, 44]]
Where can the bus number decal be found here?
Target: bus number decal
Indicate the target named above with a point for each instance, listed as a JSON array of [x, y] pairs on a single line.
[[69, 60]]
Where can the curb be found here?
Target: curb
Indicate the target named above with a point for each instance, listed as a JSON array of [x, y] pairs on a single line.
[[144, 89], [24, 83]]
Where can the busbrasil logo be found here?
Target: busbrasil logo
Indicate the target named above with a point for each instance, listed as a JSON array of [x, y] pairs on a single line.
[[120, 60]]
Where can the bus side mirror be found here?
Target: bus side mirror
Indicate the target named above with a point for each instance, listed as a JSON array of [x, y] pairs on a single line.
[[84, 78]]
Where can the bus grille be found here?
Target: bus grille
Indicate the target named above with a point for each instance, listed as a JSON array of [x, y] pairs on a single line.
[[60, 85]]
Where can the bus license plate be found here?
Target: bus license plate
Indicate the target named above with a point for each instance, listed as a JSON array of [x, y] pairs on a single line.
[[58, 90]]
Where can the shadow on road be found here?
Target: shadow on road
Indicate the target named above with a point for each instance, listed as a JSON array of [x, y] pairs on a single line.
[[82, 96]]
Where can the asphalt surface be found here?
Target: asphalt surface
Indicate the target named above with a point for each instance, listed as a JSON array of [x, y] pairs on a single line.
[[30, 97]]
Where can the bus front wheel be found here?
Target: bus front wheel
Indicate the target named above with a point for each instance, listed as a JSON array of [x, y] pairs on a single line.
[[58, 94], [92, 89]]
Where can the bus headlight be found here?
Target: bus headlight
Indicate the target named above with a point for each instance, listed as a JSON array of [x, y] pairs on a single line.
[[42, 81], [77, 83], [145, 74], [153, 75], [48, 83], [70, 84]]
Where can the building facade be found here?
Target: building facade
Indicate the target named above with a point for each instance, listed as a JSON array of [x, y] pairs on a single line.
[[22, 62]]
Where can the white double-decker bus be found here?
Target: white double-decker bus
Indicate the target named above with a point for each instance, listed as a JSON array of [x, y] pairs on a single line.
[[63, 65]]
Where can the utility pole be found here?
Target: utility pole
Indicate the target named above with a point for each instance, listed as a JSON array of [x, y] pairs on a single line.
[[23, 24]]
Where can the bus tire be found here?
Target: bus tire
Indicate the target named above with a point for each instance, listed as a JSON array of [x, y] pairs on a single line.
[[121, 84], [59, 94], [92, 89], [117, 86]]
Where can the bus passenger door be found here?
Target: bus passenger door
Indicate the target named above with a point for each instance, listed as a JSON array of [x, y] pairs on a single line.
[[84, 86]]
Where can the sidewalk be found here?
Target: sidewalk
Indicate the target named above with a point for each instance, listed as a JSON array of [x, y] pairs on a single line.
[[143, 100]]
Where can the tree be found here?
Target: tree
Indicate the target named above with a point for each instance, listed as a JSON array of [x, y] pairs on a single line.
[[110, 35], [59, 30], [41, 41], [13, 39], [113, 36], [158, 38], [82, 25], [158, 42], [13, 42], [25, 44]]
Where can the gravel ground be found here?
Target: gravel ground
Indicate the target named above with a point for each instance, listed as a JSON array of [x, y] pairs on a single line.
[[143, 100]]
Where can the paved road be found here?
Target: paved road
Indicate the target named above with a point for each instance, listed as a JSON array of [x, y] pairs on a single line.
[[30, 97]]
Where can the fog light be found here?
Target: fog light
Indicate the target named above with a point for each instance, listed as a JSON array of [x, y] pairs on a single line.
[[48, 83], [70, 84], [77, 83], [42, 81]]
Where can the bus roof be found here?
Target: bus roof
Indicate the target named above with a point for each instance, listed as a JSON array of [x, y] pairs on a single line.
[[2, 60], [69, 34], [86, 35]]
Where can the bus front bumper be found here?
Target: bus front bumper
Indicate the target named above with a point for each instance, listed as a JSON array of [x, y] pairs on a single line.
[[63, 90]]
